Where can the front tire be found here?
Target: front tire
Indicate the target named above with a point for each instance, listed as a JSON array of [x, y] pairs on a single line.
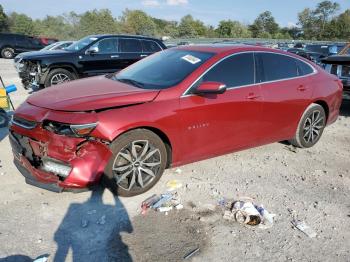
[[59, 76], [138, 161], [310, 127], [7, 53]]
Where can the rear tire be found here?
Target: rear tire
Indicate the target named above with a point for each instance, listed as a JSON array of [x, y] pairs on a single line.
[[4, 119], [310, 127], [138, 161], [59, 76], [7, 53]]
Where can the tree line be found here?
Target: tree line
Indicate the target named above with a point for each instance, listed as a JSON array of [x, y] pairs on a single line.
[[324, 22]]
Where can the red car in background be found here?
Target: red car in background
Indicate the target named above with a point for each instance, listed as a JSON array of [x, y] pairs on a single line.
[[46, 40], [175, 107]]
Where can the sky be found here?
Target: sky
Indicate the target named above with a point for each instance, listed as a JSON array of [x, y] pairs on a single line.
[[210, 12]]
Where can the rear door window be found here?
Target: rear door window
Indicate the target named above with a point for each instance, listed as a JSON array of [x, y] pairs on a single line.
[[277, 67], [303, 68], [130, 45], [149, 46], [234, 71]]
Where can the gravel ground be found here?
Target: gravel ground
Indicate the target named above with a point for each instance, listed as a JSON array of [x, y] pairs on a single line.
[[312, 185]]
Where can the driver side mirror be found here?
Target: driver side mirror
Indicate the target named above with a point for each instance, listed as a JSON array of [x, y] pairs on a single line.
[[92, 50], [210, 88]]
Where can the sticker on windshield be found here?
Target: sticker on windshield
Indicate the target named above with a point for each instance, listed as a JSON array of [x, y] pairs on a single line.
[[191, 59]]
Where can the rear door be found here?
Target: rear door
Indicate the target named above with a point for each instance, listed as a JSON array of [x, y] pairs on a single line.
[[23, 44], [215, 124], [286, 90], [105, 60], [130, 51]]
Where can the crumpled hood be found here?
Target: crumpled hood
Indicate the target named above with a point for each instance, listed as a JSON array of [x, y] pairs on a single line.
[[91, 94]]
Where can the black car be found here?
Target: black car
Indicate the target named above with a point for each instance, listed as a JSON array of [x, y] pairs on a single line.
[[312, 56], [12, 44], [340, 66], [325, 50], [90, 56]]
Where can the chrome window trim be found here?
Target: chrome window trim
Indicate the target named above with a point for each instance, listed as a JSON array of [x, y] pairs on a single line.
[[315, 71]]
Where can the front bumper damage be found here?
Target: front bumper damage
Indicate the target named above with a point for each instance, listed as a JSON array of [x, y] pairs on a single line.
[[85, 158], [31, 73]]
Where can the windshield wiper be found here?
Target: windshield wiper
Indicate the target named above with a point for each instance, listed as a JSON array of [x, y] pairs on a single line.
[[131, 81]]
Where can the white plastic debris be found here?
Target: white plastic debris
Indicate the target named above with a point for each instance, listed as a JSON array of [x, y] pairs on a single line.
[[178, 171], [165, 209], [179, 206], [246, 212], [303, 227]]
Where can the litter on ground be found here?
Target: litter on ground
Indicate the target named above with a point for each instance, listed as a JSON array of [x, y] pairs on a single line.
[[173, 184], [303, 227], [163, 203], [246, 212]]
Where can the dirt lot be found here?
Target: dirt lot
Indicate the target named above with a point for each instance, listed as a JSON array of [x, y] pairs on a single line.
[[312, 185]]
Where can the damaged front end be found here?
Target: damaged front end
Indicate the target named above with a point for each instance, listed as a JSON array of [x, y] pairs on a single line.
[[30, 73], [57, 156]]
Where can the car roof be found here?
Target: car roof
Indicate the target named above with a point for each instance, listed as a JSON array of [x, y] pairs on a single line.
[[337, 59], [127, 36], [223, 48]]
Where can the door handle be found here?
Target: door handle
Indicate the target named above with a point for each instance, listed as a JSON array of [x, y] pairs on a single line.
[[114, 56], [143, 55], [252, 96], [301, 88]]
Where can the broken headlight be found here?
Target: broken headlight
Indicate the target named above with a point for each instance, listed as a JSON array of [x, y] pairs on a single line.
[[81, 130]]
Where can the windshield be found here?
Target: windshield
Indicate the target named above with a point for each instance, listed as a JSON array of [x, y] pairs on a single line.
[[81, 43], [162, 70]]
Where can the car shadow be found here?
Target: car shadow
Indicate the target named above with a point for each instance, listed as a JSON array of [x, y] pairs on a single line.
[[21, 258], [345, 108], [3, 133], [92, 231]]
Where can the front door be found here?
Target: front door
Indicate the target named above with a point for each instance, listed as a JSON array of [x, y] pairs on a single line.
[[105, 60], [216, 124]]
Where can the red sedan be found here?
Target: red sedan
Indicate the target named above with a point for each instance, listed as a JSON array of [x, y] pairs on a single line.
[[175, 107]]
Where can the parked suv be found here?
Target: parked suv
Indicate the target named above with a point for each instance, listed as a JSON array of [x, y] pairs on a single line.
[[12, 44], [92, 55]]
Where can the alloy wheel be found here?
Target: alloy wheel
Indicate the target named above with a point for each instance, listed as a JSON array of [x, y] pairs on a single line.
[[8, 54], [313, 127], [136, 165], [59, 78]]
